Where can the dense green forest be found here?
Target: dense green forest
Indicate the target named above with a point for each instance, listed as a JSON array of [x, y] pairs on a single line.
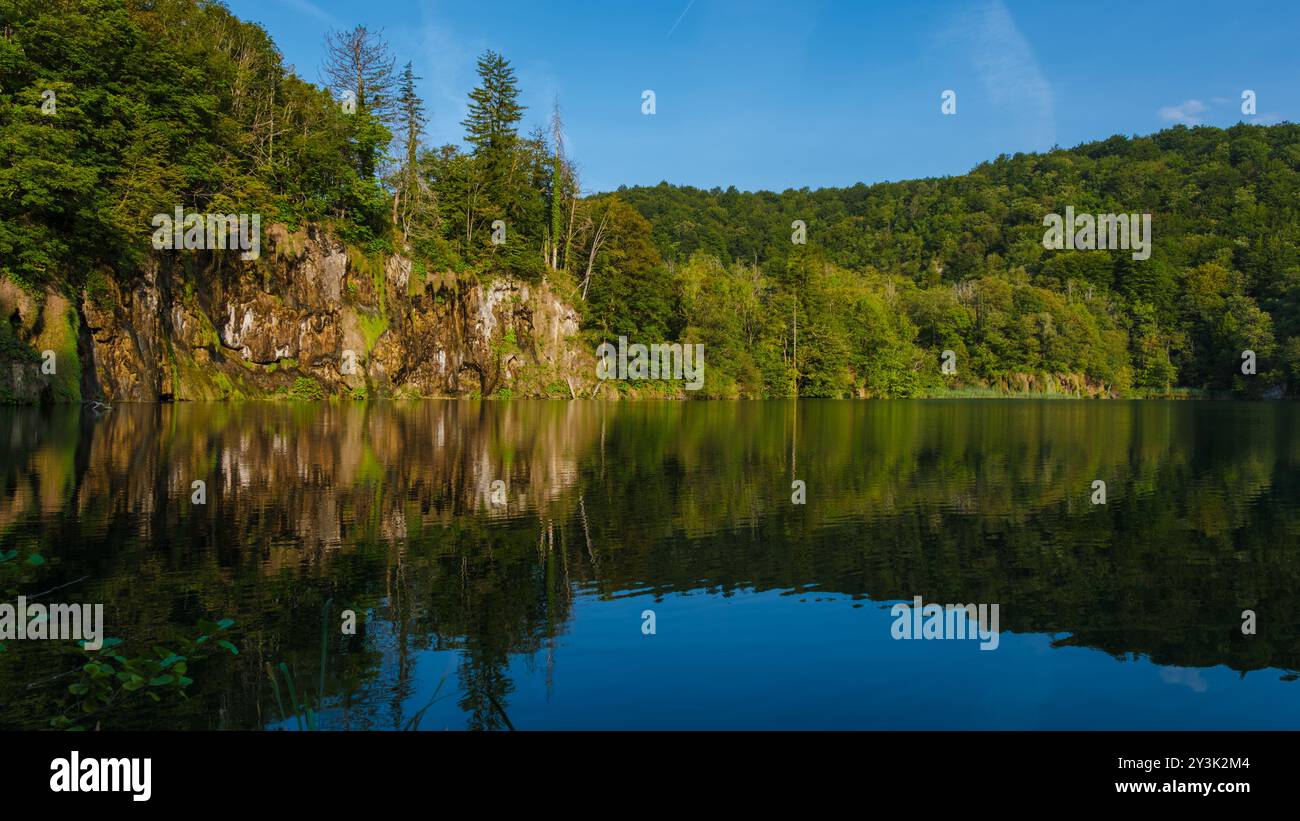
[[114, 110], [894, 273], [177, 102]]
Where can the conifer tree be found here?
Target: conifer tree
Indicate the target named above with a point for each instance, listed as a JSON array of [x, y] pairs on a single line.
[[494, 110], [409, 189], [411, 111], [498, 168]]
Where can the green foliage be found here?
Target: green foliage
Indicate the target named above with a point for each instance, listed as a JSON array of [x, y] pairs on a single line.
[[304, 389], [14, 349], [895, 273], [494, 110], [110, 680], [100, 290], [507, 344], [372, 327], [502, 177], [158, 105], [177, 102]]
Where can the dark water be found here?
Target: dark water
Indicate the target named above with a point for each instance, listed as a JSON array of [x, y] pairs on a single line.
[[768, 614]]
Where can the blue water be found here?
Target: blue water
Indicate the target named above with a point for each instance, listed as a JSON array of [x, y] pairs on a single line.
[[769, 614]]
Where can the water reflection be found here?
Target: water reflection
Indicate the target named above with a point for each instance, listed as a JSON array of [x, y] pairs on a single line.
[[389, 510]]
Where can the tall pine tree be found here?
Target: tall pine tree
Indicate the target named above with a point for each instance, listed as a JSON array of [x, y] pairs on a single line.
[[494, 110], [498, 170]]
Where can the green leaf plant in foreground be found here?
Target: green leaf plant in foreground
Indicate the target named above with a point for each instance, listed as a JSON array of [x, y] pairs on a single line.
[[108, 678]]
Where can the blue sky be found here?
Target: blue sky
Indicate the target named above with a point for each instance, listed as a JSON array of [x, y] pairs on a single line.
[[765, 95]]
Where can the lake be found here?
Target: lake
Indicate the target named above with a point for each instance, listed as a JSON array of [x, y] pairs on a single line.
[[601, 565]]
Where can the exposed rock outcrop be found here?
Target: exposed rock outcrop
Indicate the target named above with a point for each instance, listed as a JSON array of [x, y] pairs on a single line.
[[311, 318]]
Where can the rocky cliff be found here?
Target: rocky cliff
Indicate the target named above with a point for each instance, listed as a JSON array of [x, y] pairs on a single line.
[[311, 318]]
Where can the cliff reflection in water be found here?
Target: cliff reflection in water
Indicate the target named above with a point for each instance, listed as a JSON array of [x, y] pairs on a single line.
[[387, 509]]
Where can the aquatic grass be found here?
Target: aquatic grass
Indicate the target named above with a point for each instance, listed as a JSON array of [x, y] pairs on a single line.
[[275, 689], [306, 716], [414, 722], [501, 711], [300, 711]]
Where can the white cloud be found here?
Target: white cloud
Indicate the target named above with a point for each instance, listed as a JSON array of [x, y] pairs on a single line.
[[1185, 677], [444, 60], [312, 10], [1187, 113], [1007, 69]]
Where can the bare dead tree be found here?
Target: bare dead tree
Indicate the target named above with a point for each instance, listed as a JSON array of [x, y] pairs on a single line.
[[359, 61], [597, 239], [571, 230], [557, 188]]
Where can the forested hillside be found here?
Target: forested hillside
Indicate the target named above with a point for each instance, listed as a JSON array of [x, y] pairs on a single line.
[[113, 111], [177, 102], [379, 246], [892, 274]]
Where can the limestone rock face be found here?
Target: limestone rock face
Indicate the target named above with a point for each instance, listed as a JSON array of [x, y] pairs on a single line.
[[125, 326], [311, 318], [39, 356]]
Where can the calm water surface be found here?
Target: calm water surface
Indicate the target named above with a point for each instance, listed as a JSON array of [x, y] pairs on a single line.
[[768, 614]]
